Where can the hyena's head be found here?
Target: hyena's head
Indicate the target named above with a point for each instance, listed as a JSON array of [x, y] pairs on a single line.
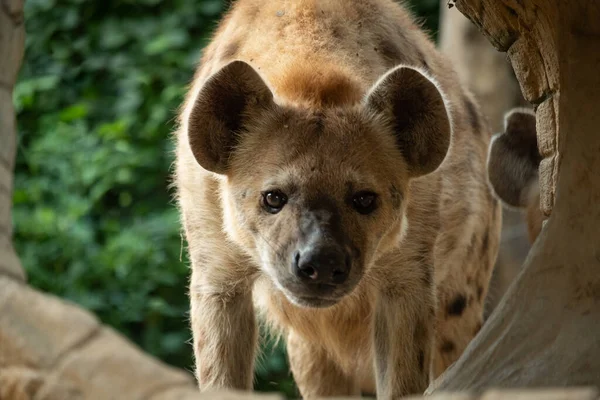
[[315, 195], [513, 167]]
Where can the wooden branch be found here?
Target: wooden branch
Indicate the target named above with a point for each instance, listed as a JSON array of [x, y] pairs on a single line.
[[12, 41]]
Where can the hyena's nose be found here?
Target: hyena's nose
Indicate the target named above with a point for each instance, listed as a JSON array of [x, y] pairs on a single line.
[[327, 265]]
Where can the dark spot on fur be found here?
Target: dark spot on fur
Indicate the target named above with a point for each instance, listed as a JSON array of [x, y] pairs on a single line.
[[457, 306], [511, 11], [420, 337], [421, 360], [486, 242], [447, 346], [420, 332], [469, 280], [474, 119], [479, 292], [396, 196], [231, 50], [336, 32]]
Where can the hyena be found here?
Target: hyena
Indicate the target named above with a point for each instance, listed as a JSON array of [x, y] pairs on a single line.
[[331, 178], [513, 167]]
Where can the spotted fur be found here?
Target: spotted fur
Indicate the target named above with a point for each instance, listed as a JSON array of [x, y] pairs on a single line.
[[320, 100]]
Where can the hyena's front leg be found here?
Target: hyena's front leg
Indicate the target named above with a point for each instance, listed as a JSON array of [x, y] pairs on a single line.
[[402, 331], [224, 332], [315, 373]]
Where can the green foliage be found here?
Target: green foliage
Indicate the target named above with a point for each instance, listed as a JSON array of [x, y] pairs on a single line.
[[94, 222]]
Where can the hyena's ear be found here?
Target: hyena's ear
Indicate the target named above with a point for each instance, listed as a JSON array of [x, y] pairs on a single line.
[[224, 107], [418, 115], [514, 158]]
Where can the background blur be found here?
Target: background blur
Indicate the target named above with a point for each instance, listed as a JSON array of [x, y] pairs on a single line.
[[94, 221]]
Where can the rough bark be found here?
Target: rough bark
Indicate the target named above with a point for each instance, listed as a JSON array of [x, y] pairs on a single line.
[[488, 73], [479, 65], [546, 330], [12, 38]]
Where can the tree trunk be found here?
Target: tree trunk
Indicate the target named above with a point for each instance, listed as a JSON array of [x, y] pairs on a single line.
[[12, 40], [546, 330]]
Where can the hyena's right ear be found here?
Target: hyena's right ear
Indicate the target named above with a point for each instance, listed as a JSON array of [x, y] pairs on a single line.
[[514, 159], [224, 106]]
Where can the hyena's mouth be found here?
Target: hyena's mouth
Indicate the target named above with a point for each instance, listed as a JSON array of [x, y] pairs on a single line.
[[315, 302], [314, 295], [318, 272]]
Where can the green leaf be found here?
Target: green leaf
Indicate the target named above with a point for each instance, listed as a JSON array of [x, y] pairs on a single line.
[[76, 111]]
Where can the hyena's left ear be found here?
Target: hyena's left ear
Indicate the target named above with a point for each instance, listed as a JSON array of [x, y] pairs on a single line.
[[418, 116], [227, 103]]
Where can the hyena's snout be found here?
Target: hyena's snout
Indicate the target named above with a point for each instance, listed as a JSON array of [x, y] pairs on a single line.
[[322, 265], [320, 274]]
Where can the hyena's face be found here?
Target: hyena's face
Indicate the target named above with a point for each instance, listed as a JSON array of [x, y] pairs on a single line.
[[315, 196]]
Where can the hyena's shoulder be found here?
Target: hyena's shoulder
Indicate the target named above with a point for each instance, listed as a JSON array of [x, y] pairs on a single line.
[[324, 52]]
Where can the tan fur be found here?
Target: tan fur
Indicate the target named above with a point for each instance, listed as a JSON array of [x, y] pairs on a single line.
[[318, 108], [513, 167]]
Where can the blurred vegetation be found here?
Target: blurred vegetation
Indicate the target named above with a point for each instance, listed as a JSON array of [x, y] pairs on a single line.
[[94, 222]]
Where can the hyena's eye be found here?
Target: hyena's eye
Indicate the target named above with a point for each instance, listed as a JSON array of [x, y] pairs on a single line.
[[364, 202], [273, 201]]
